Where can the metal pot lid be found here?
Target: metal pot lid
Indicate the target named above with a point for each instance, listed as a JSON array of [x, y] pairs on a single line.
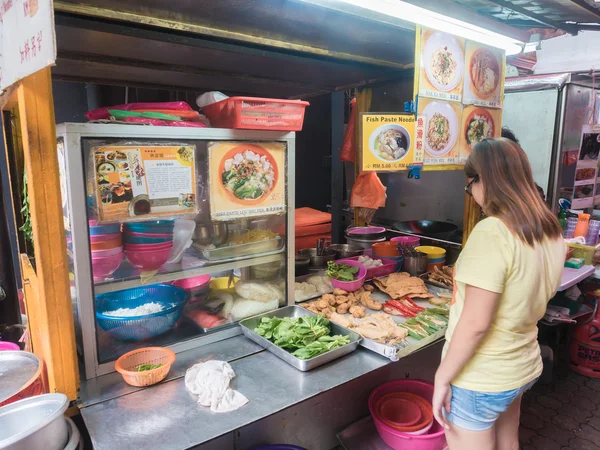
[[17, 370]]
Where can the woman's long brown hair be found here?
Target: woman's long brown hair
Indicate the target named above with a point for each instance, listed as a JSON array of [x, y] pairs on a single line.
[[509, 190]]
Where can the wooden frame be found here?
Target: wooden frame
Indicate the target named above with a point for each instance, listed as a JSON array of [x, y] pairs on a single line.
[[47, 289]]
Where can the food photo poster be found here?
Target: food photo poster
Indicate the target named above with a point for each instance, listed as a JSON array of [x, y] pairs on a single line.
[[247, 179], [585, 184]]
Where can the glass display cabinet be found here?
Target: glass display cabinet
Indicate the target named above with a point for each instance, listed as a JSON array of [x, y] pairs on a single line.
[[173, 234]]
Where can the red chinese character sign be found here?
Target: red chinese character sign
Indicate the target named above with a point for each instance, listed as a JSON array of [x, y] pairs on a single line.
[[389, 142], [27, 39]]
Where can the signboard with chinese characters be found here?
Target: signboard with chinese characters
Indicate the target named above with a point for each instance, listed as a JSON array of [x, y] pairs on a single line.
[[247, 179], [459, 86], [389, 142], [27, 39], [144, 181]]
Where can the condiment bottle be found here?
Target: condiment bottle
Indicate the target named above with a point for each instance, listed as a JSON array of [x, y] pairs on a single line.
[[562, 219], [582, 225]]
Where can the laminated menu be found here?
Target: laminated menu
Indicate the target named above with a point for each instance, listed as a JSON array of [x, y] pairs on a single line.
[[247, 179], [441, 131], [141, 181]]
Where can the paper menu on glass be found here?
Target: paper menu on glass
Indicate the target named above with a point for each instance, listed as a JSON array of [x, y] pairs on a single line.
[[246, 179], [138, 182], [585, 185], [477, 124], [441, 65], [441, 131], [484, 75]]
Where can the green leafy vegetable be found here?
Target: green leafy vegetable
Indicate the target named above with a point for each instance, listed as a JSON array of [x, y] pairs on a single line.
[[341, 272], [305, 337], [144, 367]]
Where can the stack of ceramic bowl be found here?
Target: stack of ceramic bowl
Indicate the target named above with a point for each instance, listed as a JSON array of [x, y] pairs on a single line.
[[148, 244], [436, 256], [106, 245]]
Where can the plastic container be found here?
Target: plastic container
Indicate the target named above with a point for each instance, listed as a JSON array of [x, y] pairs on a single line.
[[105, 253], [4, 346], [137, 328], [149, 247], [149, 235], [195, 287], [389, 266], [106, 245], [253, 113], [411, 241], [147, 260], [104, 237], [386, 249], [400, 412], [583, 251], [432, 252], [583, 224], [152, 226], [126, 365], [433, 439], [146, 240], [109, 228], [351, 286], [182, 239], [104, 267]]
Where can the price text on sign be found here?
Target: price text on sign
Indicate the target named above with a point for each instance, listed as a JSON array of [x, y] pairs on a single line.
[[388, 142], [27, 39]]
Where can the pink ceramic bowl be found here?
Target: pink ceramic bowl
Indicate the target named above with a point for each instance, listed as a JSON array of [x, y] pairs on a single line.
[[103, 267], [105, 253], [433, 439], [351, 286], [104, 237], [147, 260]]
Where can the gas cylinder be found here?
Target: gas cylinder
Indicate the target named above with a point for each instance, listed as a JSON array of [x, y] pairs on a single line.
[[585, 347]]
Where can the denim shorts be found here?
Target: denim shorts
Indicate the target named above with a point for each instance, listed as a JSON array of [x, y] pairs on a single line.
[[478, 411]]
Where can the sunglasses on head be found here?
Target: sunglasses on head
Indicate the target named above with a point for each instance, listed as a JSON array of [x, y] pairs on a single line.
[[469, 186]]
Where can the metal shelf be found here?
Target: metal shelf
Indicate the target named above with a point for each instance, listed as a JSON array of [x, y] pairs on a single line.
[[204, 269]]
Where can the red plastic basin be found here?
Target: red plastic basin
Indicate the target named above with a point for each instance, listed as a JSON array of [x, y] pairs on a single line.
[[147, 260], [103, 267]]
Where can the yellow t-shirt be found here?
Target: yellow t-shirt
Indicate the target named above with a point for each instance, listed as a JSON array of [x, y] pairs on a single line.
[[527, 277]]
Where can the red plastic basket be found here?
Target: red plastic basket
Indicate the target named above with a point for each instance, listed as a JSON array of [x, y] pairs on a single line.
[[253, 113]]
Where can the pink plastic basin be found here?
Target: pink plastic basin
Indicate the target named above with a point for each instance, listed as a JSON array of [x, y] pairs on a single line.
[[8, 346], [104, 237], [351, 286], [434, 439], [411, 241], [147, 260], [193, 283], [400, 412], [103, 267], [105, 253]]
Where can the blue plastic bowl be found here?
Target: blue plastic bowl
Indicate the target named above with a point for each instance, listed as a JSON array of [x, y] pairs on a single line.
[[110, 228], [137, 328], [145, 240], [154, 226]]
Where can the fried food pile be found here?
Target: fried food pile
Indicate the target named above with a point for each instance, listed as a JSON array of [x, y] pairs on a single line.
[[342, 302], [443, 276], [399, 285]]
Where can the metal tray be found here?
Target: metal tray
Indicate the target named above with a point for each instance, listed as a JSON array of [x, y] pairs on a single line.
[[248, 326], [241, 250]]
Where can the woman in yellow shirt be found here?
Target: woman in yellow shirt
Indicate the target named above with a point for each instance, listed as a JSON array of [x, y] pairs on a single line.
[[509, 269]]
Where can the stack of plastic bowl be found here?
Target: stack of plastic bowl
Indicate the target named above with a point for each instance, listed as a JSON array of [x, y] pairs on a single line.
[[436, 256], [148, 244], [106, 245], [388, 250], [403, 415], [409, 241]]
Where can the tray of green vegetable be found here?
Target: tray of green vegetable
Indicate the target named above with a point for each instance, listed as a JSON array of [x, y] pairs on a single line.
[[301, 338]]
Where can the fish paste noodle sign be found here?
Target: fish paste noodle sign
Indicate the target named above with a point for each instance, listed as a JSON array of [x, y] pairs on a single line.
[[246, 179], [27, 39], [388, 142]]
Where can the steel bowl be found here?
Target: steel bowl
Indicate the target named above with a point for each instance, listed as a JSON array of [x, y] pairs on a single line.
[[318, 261], [35, 422], [211, 233], [346, 250]]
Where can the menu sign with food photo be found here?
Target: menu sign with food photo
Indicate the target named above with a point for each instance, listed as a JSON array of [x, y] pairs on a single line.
[[388, 142], [246, 179], [142, 181], [484, 76], [585, 187], [478, 124], [441, 140], [441, 65]]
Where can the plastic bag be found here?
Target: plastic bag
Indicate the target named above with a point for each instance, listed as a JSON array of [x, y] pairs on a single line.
[[347, 152], [368, 192]]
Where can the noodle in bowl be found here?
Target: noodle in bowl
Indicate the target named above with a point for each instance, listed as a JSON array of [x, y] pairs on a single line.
[[389, 143]]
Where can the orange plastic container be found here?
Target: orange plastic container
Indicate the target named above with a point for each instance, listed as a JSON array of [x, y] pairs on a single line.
[[582, 225], [127, 364], [106, 245], [253, 113]]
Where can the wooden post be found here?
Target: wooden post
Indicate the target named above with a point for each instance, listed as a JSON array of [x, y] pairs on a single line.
[[47, 290]]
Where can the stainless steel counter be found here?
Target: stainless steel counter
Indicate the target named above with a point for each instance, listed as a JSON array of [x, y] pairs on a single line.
[[166, 416]]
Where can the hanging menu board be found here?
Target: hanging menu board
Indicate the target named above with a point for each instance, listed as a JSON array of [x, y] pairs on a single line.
[[460, 86], [246, 179], [586, 187], [389, 142]]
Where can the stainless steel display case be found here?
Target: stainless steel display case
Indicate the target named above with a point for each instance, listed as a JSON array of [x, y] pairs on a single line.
[[72, 140]]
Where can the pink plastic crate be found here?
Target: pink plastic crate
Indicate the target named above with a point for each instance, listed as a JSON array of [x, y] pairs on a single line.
[[253, 113], [389, 266]]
